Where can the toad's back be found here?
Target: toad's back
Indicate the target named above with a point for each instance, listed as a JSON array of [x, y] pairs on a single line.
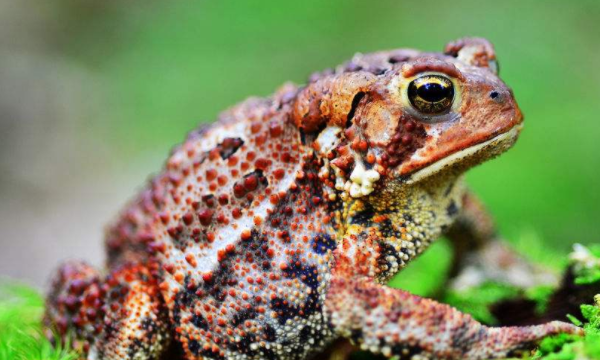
[[237, 226]]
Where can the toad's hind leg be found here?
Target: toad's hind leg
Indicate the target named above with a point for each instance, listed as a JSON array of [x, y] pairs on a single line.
[[393, 322], [119, 317], [481, 255]]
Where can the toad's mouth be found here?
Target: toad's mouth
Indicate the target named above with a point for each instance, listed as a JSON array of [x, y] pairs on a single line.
[[499, 143]]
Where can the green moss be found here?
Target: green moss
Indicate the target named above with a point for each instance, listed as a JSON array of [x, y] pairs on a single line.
[[591, 346], [556, 347], [592, 314], [567, 347], [574, 320], [21, 335]]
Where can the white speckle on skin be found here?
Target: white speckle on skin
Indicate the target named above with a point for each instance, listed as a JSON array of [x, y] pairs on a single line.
[[362, 180], [328, 139]]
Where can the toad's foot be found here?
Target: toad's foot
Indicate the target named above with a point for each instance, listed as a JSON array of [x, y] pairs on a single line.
[[120, 317], [394, 322]]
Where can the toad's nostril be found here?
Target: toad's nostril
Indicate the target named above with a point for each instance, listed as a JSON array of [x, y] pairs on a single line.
[[494, 95]]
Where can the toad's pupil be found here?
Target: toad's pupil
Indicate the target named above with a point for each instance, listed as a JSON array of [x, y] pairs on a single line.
[[434, 92], [431, 94]]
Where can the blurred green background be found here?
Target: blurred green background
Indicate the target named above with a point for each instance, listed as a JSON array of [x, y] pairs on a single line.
[[94, 94]]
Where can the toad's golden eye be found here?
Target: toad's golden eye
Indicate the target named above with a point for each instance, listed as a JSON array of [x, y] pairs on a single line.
[[431, 94]]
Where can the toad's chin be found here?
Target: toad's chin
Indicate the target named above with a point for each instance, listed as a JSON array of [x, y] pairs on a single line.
[[470, 156]]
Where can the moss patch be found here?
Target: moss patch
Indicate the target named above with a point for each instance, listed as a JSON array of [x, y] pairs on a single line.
[[21, 335]]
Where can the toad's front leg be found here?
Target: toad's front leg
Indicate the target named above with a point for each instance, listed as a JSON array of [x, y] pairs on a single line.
[[395, 322]]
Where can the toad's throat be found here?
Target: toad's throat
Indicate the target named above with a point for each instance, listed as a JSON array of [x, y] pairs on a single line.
[[501, 141]]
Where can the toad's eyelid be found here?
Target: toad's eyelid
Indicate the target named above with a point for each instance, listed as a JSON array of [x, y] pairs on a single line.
[[430, 66], [433, 74]]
